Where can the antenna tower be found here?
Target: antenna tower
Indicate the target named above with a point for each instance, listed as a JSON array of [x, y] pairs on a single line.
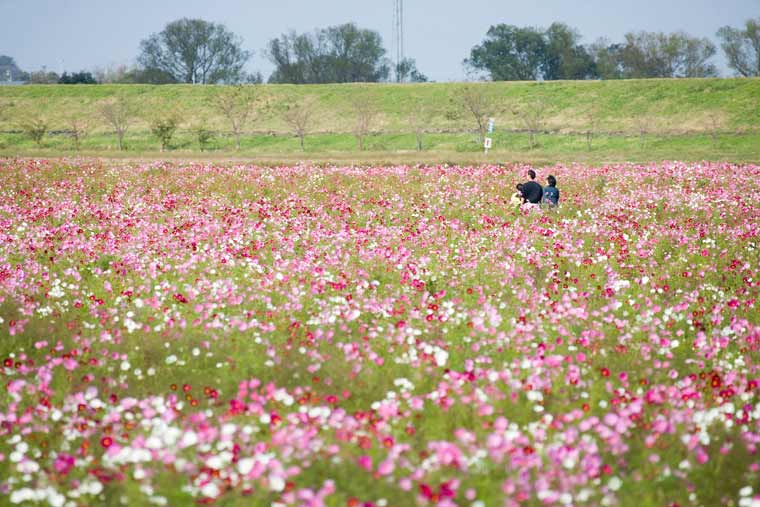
[[398, 32]]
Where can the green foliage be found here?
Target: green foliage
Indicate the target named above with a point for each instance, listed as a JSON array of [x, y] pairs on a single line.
[[742, 47], [35, 129], [526, 53], [510, 53], [337, 54], [566, 58], [195, 51], [204, 136], [163, 128], [657, 54], [407, 72], [9, 69], [680, 124], [81, 77]]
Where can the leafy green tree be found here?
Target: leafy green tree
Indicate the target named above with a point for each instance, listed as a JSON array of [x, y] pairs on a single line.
[[35, 128], [510, 53], [606, 57], [407, 72], [9, 71], [81, 77], [742, 47], [203, 135], [148, 76], [337, 54], [657, 54], [566, 58], [298, 58], [163, 128], [195, 51]]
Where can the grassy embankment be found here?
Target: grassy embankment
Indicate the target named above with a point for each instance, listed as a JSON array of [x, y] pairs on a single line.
[[638, 120]]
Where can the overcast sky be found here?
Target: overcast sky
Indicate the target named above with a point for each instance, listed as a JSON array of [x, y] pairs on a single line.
[[78, 35]]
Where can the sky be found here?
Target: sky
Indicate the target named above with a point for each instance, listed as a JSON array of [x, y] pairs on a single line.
[[78, 35]]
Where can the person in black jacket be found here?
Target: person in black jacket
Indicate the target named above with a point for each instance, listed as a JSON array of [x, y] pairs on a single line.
[[532, 192]]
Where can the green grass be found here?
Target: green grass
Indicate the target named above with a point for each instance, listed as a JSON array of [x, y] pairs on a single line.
[[681, 118]]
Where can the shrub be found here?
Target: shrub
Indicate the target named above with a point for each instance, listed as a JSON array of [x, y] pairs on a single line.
[[204, 136], [163, 129], [35, 129]]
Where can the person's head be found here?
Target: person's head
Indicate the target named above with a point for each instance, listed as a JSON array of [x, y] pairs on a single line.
[[531, 174], [551, 180], [519, 187]]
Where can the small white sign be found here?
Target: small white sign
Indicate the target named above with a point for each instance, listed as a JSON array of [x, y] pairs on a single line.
[[487, 143], [491, 123]]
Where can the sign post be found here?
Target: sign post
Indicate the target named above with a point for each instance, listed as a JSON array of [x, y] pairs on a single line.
[[487, 142]]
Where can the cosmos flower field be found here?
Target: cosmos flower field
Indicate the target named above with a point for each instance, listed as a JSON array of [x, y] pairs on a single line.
[[378, 336]]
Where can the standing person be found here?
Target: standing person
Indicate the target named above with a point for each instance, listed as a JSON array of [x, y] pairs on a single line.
[[532, 191], [551, 192]]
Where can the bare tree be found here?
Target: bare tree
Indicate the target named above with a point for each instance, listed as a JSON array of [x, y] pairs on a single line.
[[592, 124], [419, 119], [365, 112], [118, 113], [4, 107], [531, 114], [298, 116], [236, 103], [78, 130], [717, 124], [475, 103], [645, 124]]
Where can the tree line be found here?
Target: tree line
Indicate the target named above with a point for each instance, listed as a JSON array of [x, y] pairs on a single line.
[[510, 53], [201, 52]]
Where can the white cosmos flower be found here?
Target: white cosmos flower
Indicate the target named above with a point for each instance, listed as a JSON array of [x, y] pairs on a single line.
[[276, 483]]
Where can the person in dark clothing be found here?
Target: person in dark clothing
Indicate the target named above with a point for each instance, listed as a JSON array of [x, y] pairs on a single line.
[[532, 174], [532, 192], [551, 193]]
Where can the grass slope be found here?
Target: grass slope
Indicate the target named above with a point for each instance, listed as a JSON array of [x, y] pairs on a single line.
[[634, 119]]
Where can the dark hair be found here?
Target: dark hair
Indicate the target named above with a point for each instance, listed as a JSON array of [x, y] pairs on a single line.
[[519, 187], [551, 180], [532, 174]]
